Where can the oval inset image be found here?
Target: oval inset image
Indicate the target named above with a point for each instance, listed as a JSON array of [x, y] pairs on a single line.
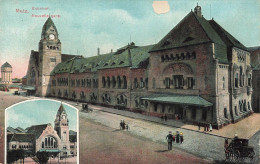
[[41, 131]]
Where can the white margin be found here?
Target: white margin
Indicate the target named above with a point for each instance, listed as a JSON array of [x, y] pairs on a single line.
[[36, 99]]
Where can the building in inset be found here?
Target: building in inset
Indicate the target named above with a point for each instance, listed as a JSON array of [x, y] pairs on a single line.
[[58, 140], [6, 73], [198, 72]]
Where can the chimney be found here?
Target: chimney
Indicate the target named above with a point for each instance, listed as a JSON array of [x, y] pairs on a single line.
[[98, 51], [197, 10]]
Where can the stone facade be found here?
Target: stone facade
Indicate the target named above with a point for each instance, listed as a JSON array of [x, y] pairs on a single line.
[[6, 73], [197, 73], [255, 61]]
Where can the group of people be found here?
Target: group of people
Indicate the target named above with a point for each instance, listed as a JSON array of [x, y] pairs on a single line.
[[207, 127], [123, 125], [178, 138]]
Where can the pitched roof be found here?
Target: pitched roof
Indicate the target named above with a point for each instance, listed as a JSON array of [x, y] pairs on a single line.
[[5, 65], [71, 132], [47, 25], [66, 57], [72, 136], [178, 99], [191, 30], [21, 137], [37, 130], [61, 110], [21, 130], [11, 129], [226, 37], [139, 56]]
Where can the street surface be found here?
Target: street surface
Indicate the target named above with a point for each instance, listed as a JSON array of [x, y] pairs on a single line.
[[101, 141]]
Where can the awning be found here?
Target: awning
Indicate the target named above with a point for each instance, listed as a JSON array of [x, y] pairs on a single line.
[[178, 99], [50, 150], [27, 87]]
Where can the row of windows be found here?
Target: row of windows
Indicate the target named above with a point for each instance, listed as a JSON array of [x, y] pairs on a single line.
[[49, 142], [22, 146], [52, 48], [182, 56], [240, 80], [142, 84], [179, 82], [119, 82]]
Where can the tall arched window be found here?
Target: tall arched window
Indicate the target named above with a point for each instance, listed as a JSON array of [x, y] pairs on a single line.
[[108, 82], [249, 80], [223, 81], [104, 82], [236, 80], [125, 82], [113, 81], [119, 81]]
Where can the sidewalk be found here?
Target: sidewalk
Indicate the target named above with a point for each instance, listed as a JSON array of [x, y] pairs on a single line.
[[245, 128]]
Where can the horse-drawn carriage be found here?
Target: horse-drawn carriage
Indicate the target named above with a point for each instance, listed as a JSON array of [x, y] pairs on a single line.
[[85, 108], [238, 150]]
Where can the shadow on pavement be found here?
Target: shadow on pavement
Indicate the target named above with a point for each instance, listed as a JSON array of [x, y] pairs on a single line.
[[161, 151]]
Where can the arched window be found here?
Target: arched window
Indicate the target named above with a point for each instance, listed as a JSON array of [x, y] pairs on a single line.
[[182, 56], [236, 80], [177, 57], [108, 82], [113, 81], [187, 55], [104, 82], [171, 57], [225, 113], [124, 82], [135, 83], [249, 80], [193, 55], [241, 76], [223, 82], [119, 81], [162, 58], [153, 83], [167, 58]]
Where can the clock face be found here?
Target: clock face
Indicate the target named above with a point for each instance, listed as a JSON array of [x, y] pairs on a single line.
[[51, 37]]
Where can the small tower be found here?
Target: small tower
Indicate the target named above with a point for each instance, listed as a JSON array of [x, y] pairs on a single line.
[[61, 125], [49, 55], [6, 73], [197, 10]]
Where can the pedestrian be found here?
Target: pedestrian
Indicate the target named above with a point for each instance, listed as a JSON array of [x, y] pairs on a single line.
[[210, 127], [127, 127], [207, 126], [199, 126], [123, 125], [177, 137], [181, 137], [204, 128], [173, 138], [169, 140]]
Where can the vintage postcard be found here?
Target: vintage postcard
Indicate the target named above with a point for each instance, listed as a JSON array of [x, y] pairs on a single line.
[[130, 81]]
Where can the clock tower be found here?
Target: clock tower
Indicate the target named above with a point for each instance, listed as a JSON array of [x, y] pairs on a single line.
[[49, 56], [61, 125]]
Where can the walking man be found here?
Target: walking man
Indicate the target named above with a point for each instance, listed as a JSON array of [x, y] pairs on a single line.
[[169, 138]]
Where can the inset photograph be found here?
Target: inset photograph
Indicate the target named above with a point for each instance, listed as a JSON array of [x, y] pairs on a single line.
[[41, 131]]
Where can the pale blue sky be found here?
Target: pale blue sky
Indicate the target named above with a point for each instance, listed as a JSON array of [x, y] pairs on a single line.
[[85, 25], [37, 112]]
